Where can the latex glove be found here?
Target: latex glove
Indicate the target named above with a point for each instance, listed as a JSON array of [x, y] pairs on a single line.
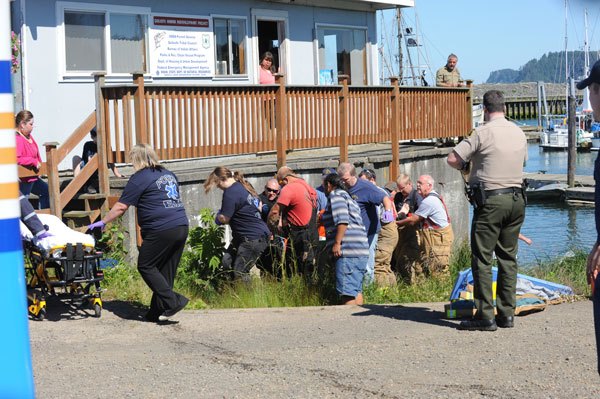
[[387, 217], [45, 234], [217, 221], [99, 224]]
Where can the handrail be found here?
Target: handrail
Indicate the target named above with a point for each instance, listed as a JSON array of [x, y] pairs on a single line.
[[55, 154], [183, 122]]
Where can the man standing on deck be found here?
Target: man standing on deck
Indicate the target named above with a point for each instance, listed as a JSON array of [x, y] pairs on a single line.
[[496, 152], [593, 261], [449, 75]]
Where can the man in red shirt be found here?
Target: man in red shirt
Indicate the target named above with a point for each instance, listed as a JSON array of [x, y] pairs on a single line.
[[295, 213]]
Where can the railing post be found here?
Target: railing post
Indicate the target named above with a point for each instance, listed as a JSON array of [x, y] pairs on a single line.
[[139, 109], [53, 181], [394, 129], [281, 120], [469, 83], [344, 125], [103, 184]]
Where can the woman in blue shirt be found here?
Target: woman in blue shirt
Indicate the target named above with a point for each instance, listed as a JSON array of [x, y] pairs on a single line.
[[240, 208], [154, 191]]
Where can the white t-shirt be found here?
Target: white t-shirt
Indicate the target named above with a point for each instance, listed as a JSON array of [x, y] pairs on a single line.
[[432, 208]]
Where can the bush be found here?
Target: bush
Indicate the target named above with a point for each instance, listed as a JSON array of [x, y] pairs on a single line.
[[200, 267]]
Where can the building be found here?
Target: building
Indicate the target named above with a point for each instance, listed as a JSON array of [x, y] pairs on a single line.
[[183, 43]]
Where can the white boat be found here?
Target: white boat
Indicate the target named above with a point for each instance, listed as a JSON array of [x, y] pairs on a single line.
[[555, 134]]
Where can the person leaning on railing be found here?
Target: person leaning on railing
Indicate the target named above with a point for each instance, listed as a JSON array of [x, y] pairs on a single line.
[[28, 156]]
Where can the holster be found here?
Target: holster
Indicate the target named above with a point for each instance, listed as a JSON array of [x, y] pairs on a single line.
[[475, 195], [524, 186]]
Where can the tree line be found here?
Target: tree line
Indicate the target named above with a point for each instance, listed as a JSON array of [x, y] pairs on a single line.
[[548, 68]]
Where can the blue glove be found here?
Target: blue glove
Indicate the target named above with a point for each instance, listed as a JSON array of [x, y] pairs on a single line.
[[99, 224], [217, 221], [387, 217], [45, 234]]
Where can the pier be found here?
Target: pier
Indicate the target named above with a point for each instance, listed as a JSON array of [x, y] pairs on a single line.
[[581, 194]]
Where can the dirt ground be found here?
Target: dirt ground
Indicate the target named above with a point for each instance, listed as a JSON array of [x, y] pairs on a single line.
[[380, 351]]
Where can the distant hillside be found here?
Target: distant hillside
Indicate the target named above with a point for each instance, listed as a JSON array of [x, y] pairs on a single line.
[[549, 68]]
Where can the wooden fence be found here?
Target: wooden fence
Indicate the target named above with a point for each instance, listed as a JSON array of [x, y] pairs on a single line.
[[198, 121]]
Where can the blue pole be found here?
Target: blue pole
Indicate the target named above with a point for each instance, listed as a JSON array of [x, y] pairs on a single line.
[[16, 374]]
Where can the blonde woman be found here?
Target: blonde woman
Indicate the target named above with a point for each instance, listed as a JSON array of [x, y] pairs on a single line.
[[240, 208], [154, 191]]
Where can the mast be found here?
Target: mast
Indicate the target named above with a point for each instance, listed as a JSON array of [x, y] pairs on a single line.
[[400, 55], [586, 105]]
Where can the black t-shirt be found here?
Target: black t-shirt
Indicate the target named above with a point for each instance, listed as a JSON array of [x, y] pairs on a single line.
[[245, 220], [155, 194], [89, 150]]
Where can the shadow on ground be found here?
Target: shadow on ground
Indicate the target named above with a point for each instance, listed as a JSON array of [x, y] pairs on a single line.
[[60, 308], [399, 312]]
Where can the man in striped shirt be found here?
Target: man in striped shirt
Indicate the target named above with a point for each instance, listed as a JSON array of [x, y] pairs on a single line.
[[346, 239]]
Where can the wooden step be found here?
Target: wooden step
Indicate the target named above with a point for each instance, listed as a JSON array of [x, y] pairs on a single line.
[[90, 196], [77, 214]]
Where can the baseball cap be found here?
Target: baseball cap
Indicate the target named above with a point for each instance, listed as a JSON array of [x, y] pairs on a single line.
[[328, 171], [593, 77], [391, 186]]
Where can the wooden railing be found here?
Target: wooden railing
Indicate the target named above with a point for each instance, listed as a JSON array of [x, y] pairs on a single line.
[[56, 153], [200, 121]]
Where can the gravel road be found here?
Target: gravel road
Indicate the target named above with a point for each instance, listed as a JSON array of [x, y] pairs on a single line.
[[395, 351]]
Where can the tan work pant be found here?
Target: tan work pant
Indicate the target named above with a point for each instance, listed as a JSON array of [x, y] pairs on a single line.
[[386, 243], [436, 245], [407, 254]]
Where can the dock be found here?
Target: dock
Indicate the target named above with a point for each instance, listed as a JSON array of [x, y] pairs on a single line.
[[581, 194]]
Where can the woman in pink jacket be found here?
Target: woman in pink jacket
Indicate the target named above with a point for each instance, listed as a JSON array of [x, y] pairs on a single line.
[[28, 156]]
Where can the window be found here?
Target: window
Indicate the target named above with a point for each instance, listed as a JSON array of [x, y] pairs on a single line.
[[111, 39], [230, 46], [342, 51]]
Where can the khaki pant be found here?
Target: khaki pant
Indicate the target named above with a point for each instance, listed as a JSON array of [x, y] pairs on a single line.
[[407, 254], [386, 243], [436, 245]]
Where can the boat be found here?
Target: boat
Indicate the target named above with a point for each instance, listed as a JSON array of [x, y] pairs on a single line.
[[555, 132], [545, 190]]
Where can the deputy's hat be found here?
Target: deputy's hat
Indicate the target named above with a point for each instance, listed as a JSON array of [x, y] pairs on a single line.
[[594, 77]]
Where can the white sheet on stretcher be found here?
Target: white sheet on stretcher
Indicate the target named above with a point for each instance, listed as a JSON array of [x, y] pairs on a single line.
[[61, 235]]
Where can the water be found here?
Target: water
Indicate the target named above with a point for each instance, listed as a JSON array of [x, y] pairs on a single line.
[[556, 228]]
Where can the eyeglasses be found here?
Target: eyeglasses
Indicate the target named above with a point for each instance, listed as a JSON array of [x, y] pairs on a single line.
[[271, 190]]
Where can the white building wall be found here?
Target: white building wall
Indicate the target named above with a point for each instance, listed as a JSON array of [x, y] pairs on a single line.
[[60, 105]]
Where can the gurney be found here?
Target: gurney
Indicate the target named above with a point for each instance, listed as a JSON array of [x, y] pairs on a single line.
[[64, 264]]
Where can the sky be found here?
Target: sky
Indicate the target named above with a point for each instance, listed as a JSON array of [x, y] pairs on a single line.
[[488, 36]]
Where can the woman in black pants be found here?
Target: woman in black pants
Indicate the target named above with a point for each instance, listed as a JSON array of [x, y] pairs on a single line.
[[154, 191], [241, 209]]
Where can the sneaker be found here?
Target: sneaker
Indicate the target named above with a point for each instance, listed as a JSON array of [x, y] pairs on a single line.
[[478, 325], [151, 317], [183, 301]]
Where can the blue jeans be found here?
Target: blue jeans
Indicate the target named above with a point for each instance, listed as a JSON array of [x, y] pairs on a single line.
[[39, 188], [370, 271], [349, 274]]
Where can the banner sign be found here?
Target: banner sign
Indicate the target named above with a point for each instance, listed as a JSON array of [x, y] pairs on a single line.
[[181, 46]]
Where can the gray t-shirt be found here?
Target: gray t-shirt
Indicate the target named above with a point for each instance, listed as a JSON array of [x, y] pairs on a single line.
[[433, 209], [497, 152]]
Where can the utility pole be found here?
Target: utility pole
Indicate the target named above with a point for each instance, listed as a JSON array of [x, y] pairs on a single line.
[[572, 132]]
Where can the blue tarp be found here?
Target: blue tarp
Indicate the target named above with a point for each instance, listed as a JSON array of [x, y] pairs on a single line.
[[466, 277]]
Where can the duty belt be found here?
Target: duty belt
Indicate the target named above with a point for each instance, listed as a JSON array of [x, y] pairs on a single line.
[[500, 191]]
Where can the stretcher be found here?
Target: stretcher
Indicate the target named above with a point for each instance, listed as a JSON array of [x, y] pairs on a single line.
[[64, 264]]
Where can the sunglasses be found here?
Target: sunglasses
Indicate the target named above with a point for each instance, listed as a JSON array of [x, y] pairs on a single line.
[[271, 190]]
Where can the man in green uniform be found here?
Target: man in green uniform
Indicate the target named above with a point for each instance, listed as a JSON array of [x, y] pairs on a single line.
[[497, 152], [449, 75]]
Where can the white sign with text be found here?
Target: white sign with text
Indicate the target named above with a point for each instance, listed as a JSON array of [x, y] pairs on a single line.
[[181, 46]]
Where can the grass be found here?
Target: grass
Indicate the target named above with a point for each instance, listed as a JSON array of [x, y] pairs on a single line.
[[123, 282]]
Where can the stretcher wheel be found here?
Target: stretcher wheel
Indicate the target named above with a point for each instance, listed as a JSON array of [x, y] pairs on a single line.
[[41, 315], [97, 310]]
